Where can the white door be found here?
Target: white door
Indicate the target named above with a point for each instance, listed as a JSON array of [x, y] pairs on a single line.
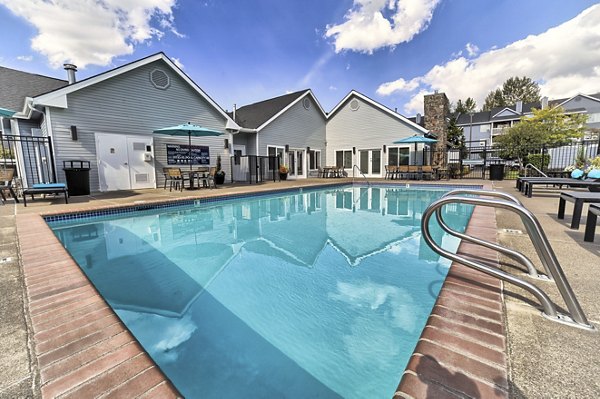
[[124, 162], [141, 162], [370, 162], [296, 164], [240, 165]]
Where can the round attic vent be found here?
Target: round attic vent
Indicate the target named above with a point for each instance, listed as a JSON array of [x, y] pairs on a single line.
[[354, 104], [306, 102], [159, 79]]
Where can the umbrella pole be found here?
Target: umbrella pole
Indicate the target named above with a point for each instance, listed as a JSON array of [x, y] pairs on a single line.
[[190, 147]]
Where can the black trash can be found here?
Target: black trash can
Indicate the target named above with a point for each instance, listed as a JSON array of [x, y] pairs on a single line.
[[497, 171], [78, 177]]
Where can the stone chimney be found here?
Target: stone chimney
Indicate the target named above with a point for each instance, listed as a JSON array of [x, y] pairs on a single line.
[[437, 109], [519, 107], [71, 69]]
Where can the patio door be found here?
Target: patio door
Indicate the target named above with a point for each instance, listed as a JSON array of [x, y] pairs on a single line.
[[296, 164], [125, 162], [370, 162]]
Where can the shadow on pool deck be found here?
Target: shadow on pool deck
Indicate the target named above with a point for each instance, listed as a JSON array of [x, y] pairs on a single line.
[[547, 359]]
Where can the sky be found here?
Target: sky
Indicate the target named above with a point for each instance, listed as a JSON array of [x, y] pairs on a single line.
[[393, 51]]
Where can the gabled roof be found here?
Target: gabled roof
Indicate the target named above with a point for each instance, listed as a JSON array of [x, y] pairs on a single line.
[[510, 112], [58, 98], [15, 86], [375, 104], [260, 114], [593, 97]]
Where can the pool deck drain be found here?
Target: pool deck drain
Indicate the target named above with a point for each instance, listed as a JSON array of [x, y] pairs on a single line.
[[83, 349]]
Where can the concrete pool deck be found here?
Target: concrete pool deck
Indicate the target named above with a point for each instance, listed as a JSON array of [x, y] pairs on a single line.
[[25, 381]]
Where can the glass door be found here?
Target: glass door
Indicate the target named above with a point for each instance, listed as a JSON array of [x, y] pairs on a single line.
[[296, 164], [370, 162]]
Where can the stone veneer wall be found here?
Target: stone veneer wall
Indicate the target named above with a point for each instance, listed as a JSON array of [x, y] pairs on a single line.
[[437, 108]]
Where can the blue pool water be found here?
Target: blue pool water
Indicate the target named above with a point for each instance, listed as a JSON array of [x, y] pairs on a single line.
[[319, 294]]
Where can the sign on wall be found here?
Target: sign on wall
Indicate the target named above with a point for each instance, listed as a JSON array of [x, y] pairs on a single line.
[[180, 155]]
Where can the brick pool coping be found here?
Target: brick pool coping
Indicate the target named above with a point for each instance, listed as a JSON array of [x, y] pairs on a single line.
[[83, 349]]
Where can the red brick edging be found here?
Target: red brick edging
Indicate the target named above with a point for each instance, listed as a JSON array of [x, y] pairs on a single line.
[[82, 348], [462, 350]]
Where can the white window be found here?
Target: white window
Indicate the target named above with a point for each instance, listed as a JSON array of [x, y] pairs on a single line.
[[314, 159], [343, 158]]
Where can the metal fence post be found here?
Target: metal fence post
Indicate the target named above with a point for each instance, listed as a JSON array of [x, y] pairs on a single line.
[[484, 160]]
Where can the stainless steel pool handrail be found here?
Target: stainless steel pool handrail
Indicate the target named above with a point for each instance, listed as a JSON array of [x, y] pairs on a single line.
[[519, 257], [541, 244], [355, 166], [532, 166]]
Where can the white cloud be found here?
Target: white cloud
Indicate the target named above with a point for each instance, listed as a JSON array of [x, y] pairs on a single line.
[[472, 50], [564, 60], [26, 58], [398, 85], [177, 62], [87, 32], [367, 26], [332, 88]]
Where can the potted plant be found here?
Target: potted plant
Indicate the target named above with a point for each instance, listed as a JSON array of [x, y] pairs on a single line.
[[219, 174], [283, 172]]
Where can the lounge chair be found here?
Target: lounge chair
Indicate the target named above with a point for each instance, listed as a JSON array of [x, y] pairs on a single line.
[[527, 184], [6, 178], [578, 198], [46, 188], [590, 223]]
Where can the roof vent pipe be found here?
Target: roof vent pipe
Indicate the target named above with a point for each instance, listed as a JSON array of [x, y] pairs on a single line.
[[71, 69], [418, 119], [234, 109]]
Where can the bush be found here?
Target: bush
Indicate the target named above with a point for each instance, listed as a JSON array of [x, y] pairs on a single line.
[[536, 160]]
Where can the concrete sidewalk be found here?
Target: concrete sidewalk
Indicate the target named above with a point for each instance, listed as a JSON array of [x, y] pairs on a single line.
[[548, 359]]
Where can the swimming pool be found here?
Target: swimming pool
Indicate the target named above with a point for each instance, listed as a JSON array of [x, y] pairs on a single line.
[[319, 293]]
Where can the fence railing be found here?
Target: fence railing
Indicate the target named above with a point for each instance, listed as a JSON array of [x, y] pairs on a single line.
[[474, 161]]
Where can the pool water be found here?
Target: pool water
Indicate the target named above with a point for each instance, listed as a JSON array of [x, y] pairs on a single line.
[[315, 293]]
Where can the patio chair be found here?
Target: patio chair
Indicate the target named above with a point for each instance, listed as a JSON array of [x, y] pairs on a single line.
[[388, 174], [427, 172], [402, 172], [177, 179], [6, 180], [208, 178], [414, 171], [168, 179]]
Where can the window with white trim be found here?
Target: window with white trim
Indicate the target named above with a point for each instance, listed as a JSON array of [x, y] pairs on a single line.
[[398, 156], [314, 159], [275, 151], [343, 158]]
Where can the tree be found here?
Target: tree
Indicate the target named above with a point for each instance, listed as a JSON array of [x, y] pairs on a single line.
[[514, 89], [456, 137], [547, 127], [466, 106]]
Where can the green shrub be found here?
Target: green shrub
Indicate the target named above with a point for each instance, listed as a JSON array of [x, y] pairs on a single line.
[[536, 160]]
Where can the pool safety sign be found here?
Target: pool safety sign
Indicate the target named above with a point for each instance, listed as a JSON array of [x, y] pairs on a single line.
[[180, 155]]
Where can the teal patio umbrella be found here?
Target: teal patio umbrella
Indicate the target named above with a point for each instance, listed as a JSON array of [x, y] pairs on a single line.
[[7, 113], [416, 139], [189, 130]]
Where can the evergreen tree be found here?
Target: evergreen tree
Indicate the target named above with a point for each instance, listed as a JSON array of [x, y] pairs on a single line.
[[466, 106], [456, 136], [514, 89]]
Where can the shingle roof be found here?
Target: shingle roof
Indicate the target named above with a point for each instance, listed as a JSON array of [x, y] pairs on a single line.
[[16, 85], [255, 115]]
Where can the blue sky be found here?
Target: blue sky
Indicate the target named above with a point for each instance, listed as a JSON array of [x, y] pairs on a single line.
[[393, 51]]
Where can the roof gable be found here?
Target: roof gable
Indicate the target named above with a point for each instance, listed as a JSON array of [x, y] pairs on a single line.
[[58, 98], [375, 104], [16, 86], [259, 115], [576, 99], [505, 112]]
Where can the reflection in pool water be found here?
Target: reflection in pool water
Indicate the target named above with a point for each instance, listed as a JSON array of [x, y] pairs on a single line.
[[315, 294]]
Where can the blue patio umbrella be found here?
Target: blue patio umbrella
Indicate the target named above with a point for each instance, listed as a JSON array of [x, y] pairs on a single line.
[[7, 113], [189, 130], [416, 139]]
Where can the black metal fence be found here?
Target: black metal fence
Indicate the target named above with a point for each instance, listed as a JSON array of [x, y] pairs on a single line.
[[473, 162], [31, 156], [254, 169]]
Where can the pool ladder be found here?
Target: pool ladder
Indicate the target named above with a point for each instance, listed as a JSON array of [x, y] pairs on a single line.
[[359, 171], [542, 246]]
